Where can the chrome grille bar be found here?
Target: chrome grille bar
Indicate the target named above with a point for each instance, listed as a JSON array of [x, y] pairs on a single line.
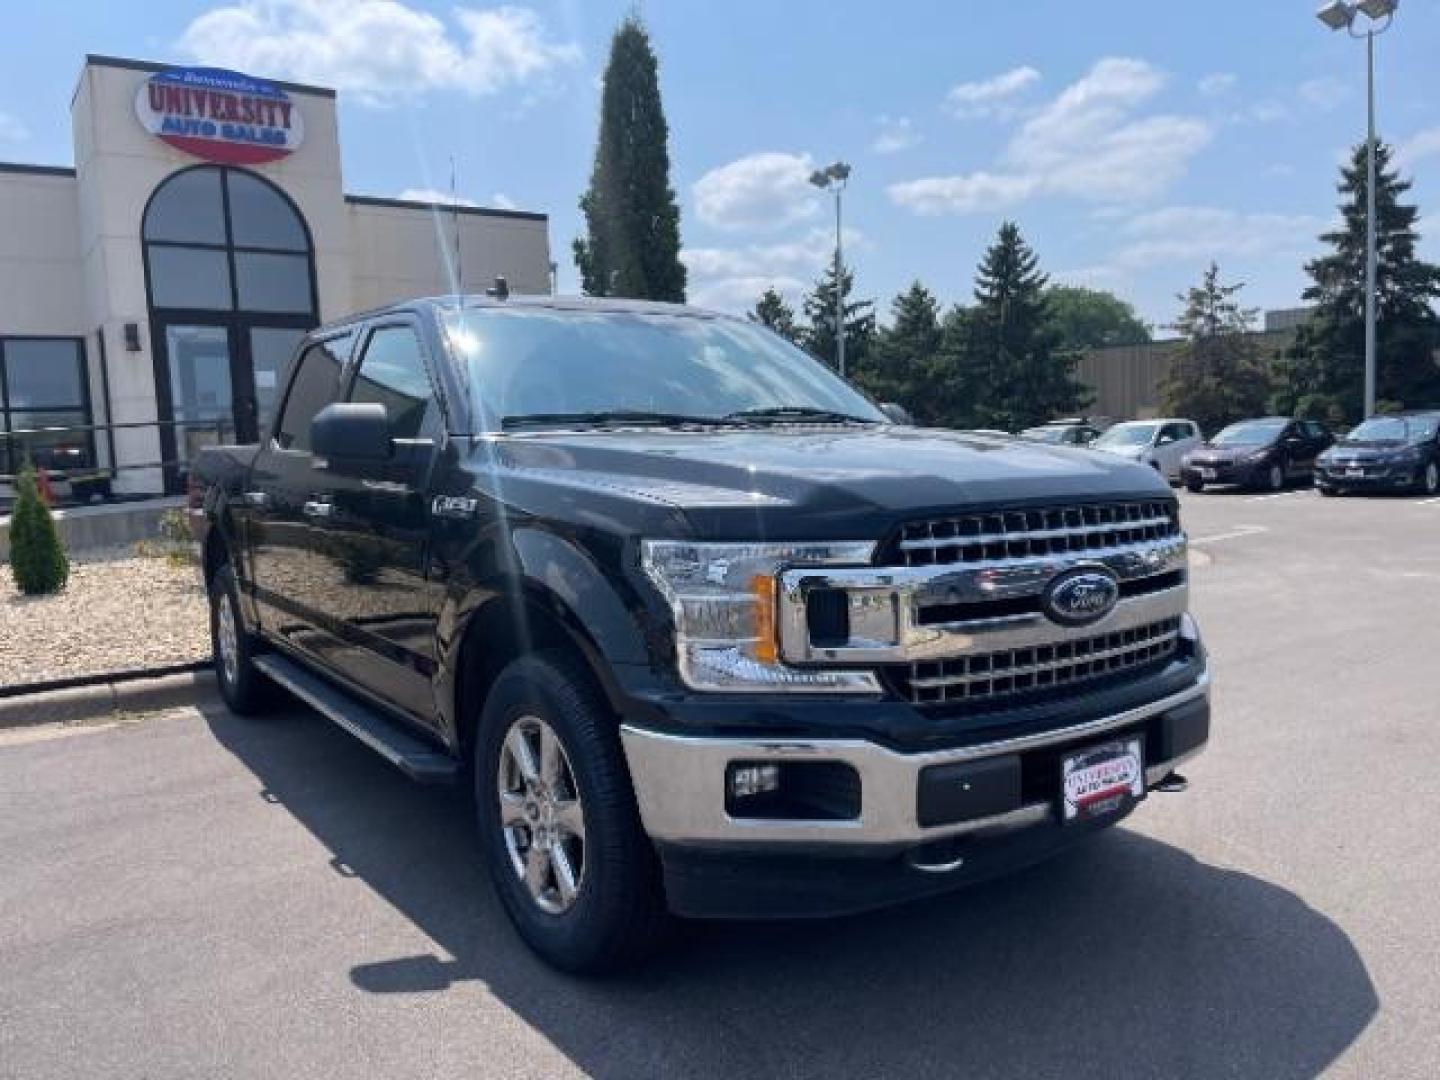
[[1039, 667], [988, 535]]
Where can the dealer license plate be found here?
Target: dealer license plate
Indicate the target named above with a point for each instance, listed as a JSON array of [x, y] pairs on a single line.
[[1208, 474], [1102, 779]]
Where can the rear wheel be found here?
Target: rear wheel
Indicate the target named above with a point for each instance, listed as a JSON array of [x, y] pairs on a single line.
[[243, 686], [572, 866]]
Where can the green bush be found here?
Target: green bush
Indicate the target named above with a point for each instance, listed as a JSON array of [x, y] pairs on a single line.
[[37, 558]]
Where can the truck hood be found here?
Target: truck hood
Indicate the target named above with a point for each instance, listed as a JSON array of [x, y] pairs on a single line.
[[846, 483]]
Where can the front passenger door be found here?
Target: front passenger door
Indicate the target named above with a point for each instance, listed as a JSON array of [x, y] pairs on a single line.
[[382, 609]]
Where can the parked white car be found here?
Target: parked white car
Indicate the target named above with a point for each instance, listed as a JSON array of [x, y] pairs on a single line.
[[1160, 444]]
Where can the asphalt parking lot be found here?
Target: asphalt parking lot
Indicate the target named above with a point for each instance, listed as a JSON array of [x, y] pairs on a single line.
[[198, 895]]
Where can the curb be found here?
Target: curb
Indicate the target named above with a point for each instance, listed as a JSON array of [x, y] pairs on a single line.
[[102, 699]]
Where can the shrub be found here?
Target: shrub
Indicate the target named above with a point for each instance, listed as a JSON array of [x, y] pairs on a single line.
[[37, 558]]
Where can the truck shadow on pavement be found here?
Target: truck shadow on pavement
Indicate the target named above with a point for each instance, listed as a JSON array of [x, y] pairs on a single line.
[[1125, 956]]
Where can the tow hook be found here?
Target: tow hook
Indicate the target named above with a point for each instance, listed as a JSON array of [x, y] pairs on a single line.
[[1173, 783]]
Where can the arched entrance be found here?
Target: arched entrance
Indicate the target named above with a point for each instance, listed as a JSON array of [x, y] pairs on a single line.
[[230, 276]]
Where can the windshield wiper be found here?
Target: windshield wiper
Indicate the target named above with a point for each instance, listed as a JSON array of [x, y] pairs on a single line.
[[611, 417], [803, 414]]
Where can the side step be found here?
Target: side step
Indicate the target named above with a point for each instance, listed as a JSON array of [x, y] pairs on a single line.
[[412, 755]]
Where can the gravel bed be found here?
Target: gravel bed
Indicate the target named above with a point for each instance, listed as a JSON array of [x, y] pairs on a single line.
[[117, 611]]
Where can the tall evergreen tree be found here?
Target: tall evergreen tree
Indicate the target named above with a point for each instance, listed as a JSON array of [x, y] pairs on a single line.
[[903, 365], [632, 247], [1322, 373], [771, 310], [1011, 353], [1216, 376], [818, 333]]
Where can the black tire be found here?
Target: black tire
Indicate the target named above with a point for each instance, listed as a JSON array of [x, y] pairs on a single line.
[[1195, 486], [244, 687], [1327, 491], [1429, 481], [617, 913]]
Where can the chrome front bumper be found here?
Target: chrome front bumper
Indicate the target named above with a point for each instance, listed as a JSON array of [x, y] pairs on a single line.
[[680, 782]]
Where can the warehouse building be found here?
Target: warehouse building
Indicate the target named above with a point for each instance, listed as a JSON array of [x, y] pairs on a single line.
[[154, 291]]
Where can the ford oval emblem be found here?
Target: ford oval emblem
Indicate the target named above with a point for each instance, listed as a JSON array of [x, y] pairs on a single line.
[[1081, 596]]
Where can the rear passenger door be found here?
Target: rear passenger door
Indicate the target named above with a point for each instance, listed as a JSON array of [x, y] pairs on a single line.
[[286, 566], [380, 608]]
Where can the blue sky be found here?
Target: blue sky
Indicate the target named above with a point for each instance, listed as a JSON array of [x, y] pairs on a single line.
[[1131, 141]]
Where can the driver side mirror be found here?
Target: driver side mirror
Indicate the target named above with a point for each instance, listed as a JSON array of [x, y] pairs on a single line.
[[897, 413], [352, 433]]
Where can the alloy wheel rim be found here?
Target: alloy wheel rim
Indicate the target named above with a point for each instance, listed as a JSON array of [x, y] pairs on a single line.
[[542, 820], [228, 639]]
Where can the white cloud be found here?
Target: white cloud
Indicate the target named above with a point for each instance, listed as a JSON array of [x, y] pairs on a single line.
[[433, 195], [378, 51], [990, 97], [732, 278], [12, 130], [1421, 145], [501, 201], [897, 133], [1201, 233], [1324, 93], [1087, 143], [1217, 83], [768, 190]]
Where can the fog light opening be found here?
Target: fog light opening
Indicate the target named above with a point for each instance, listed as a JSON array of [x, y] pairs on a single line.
[[747, 781]]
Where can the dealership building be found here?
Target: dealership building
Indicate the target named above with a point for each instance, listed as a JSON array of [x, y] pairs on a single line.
[[151, 295]]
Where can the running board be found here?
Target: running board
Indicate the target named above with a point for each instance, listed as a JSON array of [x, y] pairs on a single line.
[[413, 756]]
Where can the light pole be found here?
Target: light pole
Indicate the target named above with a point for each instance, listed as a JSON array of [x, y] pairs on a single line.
[[832, 178], [1340, 15]]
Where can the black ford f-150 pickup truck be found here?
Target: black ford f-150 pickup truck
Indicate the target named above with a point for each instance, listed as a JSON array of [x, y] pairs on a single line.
[[705, 630]]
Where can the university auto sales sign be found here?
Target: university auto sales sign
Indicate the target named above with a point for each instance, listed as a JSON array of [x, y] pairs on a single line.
[[219, 115]]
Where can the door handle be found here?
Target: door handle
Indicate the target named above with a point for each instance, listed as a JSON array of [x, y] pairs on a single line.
[[258, 499], [316, 509]]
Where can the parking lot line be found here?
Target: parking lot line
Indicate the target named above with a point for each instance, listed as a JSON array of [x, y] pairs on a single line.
[[1429, 502], [1280, 495], [1233, 534]]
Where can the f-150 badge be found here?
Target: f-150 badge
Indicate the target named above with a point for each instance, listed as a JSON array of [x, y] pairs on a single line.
[[454, 506]]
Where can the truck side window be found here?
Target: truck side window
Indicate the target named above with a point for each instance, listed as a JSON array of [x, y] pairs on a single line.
[[313, 387], [393, 374]]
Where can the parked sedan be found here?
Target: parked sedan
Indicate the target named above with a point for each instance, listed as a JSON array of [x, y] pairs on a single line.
[[1265, 453], [1063, 433], [1400, 452], [1161, 444]]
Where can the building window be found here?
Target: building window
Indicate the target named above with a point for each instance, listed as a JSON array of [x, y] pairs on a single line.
[[221, 239], [43, 385]]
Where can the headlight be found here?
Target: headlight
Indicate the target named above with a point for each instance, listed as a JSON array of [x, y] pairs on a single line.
[[724, 596], [1257, 458], [1408, 456]]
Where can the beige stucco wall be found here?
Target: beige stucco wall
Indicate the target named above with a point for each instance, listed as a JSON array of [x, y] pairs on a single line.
[[40, 278], [401, 252]]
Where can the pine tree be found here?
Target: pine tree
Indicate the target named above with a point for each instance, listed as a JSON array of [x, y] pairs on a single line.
[[1012, 349], [818, 333], [37, 558], [771, 310], [1322, 373], [1216, 376], [903, 363], [632, 246]]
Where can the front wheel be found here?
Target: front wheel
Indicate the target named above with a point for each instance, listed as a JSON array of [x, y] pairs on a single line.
[[1327, 491], [1429, 483], [572, 866], [1195, 486]]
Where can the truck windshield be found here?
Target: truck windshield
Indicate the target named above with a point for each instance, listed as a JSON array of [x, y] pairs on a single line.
[[540, 367]]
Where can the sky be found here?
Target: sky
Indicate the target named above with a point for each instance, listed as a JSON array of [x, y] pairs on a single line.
[[1132, 142]]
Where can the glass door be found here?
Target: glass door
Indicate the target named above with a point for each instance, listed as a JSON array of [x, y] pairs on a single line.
[[199, 360]]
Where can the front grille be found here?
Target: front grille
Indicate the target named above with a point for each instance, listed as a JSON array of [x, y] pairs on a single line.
[[1022, 534], [983, 677]]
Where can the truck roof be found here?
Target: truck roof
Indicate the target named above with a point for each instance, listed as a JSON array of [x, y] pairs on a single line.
[[554, 303]]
